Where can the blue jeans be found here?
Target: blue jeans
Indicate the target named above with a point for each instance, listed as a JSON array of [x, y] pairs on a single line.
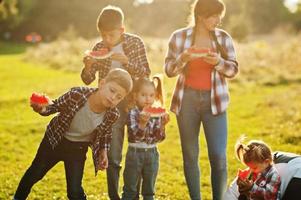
[[196, 110], [73, 154], [140, 163], [115, 153]]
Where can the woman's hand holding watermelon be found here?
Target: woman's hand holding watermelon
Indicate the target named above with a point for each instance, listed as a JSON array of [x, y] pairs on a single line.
[[212, 58], [186, 56]]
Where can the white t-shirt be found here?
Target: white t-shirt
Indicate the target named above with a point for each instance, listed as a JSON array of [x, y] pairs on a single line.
[[83, 123], [117, 49]]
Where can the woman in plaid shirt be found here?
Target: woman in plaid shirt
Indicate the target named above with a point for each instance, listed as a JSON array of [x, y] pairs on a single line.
[[201, 93], [258, 157]]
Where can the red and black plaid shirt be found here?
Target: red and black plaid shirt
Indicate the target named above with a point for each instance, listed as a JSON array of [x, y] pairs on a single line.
[[154, 131], [133, 48], [267, 185], [67, 106]]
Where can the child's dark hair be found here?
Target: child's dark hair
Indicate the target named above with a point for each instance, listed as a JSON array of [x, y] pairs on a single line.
[[206, 8], [255, 151], [110, 18], [156, 82]]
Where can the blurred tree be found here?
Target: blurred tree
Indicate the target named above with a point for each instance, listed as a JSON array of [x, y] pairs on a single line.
[[297, 16], [7, 8], [13, 13], [265, 15]]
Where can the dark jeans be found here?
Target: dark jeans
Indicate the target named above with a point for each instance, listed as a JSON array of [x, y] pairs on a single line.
[[115, 154], [140, 164], [293, 190], [73, 154]]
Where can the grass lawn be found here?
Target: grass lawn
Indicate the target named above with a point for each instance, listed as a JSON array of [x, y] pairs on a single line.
[[271, 113]]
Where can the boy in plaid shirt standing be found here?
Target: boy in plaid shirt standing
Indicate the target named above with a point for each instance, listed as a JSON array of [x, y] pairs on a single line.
[[128, 52]]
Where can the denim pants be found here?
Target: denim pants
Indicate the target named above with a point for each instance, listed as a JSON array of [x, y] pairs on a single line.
[[115, 153], [140, 163], [196, 110], [73, 154]]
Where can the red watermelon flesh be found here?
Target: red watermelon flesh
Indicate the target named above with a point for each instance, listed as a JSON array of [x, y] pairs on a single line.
[[155, 111], [246, 174], [198, 52], [99, 54], [39, 99]]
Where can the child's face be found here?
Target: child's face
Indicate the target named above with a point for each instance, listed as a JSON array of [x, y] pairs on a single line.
[[110, 93], [145, 97], [111, 38], [258, 167]]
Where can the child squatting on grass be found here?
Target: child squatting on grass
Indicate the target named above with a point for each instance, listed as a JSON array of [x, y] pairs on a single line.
[[264, 181], [144, 132], [85, 118], [127, 51]]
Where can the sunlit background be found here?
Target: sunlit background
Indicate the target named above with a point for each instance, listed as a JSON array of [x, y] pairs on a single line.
[[42, 44]]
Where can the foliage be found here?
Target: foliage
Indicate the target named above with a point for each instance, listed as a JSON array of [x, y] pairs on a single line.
[[8, 7], [277, 55]]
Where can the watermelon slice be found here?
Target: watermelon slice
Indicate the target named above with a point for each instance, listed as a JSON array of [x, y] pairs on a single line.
[[40, 99], [198, 52], [246, 174], [99, 54], [155, 111]]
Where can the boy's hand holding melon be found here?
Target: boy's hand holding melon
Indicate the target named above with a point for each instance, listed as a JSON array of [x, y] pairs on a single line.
[[39, 102]]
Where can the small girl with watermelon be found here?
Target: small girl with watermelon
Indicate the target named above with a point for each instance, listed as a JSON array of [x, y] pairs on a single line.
[[146, 127], [261, 179]]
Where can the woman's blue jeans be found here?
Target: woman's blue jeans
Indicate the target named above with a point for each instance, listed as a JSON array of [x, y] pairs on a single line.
[[196, 110]]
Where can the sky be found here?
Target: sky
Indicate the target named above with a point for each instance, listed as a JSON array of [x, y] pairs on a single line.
[[291, 4]]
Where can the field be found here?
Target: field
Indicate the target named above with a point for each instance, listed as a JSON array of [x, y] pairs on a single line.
[[265, 104]]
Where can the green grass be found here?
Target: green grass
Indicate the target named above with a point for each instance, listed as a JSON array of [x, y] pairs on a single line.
[[271, 113]]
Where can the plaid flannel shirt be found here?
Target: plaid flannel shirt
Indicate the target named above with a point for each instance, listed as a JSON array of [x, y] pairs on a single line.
[[154, 131], [133, 48], [67, 106], [226, 68], [267, 185]]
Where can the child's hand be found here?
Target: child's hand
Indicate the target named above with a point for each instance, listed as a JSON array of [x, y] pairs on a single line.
[[103, 160], [165, 118], [88, 61], [212, 58], [36, 107], [244, 185], [120, 58], [143, 119]]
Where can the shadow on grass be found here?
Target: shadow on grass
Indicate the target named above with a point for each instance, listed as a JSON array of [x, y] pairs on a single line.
[[12, 48]]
